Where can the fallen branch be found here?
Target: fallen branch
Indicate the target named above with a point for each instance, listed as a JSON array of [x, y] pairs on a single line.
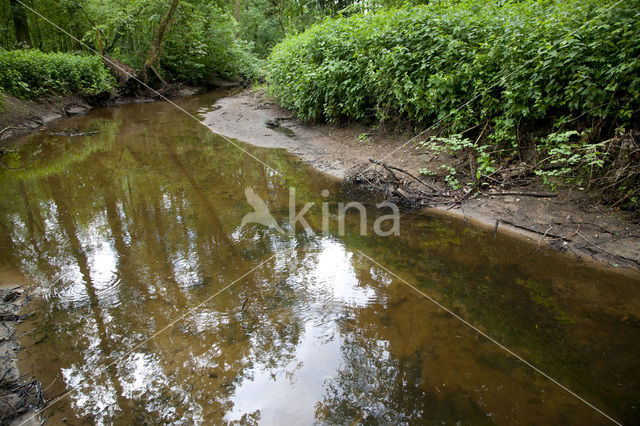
[[386, 166], [525, 194], [526, 228], [404, 195], [75, 134], [633, 262], [5, 129]]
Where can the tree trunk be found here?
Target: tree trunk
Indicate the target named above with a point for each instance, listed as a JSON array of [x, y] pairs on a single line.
[[236, 10], [156, 44], [20, 23]]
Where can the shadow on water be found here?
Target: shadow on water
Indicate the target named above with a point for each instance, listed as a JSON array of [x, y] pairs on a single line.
[[121, 233]]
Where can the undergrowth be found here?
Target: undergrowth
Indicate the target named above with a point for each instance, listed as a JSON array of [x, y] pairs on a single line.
[[30, 74]]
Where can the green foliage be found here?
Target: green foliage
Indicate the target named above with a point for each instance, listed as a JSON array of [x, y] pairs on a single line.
[[565, 157], [511, 60], [204, 46], [516, 66], [200, 44], [30, 73], [485, 166], [450, 177], [453, 144]]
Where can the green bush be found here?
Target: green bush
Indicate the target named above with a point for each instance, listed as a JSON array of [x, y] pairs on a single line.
[[31, 73], [514, 60], [519, 69]]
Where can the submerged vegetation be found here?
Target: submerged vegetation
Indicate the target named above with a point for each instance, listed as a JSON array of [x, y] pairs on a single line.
[[552, 84]]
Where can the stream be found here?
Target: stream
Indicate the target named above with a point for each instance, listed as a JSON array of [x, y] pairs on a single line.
[[152, 303]]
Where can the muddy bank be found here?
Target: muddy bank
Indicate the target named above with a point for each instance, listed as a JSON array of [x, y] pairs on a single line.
[[23, 116], [20, 395], [568, 220]]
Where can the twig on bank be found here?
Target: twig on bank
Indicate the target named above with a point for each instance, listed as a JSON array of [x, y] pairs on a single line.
[[386, 166], [615, 256], [544, 235], [464, 197], [6, 129], [526, 228], [524, 194]]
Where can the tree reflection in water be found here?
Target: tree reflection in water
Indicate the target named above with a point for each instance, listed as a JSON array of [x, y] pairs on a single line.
[[121, 233]]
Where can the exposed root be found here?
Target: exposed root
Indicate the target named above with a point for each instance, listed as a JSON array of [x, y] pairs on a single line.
[[405, 191]]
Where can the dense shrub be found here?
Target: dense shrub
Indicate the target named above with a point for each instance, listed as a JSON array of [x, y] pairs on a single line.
[[536, 66], [31, 73], [522, 59]]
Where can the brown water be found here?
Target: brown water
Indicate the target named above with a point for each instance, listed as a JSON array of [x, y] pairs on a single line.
[[121, 233]]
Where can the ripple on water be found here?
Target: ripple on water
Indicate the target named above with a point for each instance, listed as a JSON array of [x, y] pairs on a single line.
[[78, 294]]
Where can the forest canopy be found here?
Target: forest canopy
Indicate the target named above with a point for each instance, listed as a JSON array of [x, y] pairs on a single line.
[[203, 40], [199, 42]]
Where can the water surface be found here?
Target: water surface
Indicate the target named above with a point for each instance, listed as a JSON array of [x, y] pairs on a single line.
[[120, 234]]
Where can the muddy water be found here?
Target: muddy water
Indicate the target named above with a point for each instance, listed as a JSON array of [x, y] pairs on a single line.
[[136, 231]]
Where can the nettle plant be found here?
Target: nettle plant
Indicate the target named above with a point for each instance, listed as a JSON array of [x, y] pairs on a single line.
[[455, 146], [563, 158]]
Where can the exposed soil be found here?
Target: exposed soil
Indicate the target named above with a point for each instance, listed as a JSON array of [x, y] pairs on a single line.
[[20, 395], [568, 220], [22, 116]]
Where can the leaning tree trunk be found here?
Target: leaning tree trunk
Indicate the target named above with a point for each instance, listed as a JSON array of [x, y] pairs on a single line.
[[20, 23], [156, 45]]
